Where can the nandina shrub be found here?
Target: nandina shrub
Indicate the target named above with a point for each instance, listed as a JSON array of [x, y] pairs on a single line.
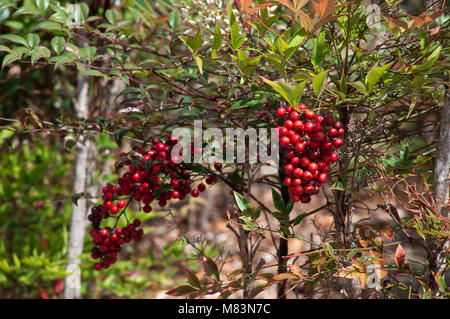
[[367, 86]]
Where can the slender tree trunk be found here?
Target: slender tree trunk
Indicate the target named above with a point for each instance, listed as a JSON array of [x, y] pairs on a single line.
[[78, 220], [442, 165], [441, 178]]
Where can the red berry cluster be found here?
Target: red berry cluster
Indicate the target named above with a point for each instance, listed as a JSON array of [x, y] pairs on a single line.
[[152, 175], [309, 140], [107, 242]]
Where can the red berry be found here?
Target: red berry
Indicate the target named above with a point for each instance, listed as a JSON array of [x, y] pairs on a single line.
[[302, 107], [332, 132], [319, 136], [304, 161], [338, 142], [298, 190], [309, 127], [287, 181], [114, 209], [334, 157], [318, 119], [136, 176], [309, 189], [310, 115], [328, 120], [312, 167], [294, 116], [160, 147], [195, 193], [298, 172], [299, 147], [281, 111], [289, 124], [218, 166], [299, 126], [121, 203], [307, 176], [284, 141], [289, 168], [323, 178], [147, 209], [201, 187], [282, 131], [305, 198]]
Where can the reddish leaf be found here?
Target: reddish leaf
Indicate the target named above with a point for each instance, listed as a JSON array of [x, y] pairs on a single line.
[[284, 276], [192, 279], [210, 267], [181, 291], [58, 286], [400, 256], [38, 204]]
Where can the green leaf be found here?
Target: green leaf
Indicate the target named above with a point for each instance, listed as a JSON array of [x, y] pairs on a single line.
[[374, 75], [33, 40], [42, 5], [217, 37], [285, 89], [4, 49], [15, 38], [112, 16], [359, 86], [236, 41], [118, 136], [289, 208], [256, 213], [60, 60], [76, 197], [278, 201], [319, 48], [92, 73], [297, 220], [193, 43], [47, 25], [247, 102], [57, 44], [9, 58], [412, 106], [249, 224], [199, 62], [174, 19], [298, 92], [242, 203], [319, 82], [338, 186], [429, 62]]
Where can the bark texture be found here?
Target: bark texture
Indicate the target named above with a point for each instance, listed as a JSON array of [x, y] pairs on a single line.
[[78, 220]]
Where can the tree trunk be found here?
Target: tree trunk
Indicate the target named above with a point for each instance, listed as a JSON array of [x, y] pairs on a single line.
[[78, 220], [442, 164], [441, 180]]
